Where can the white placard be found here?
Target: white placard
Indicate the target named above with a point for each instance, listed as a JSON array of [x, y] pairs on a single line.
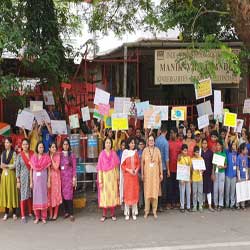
[[48, 98], [243, 191], [163, 111], [59, 127], [101, 96], [203, 121], [246, 108], [204, 108], [127, 105], [85, 114], [240, 123], [183, 173], [119, 104], [218, 160], [41, 116], [74, 121], [217, 104], [141, 107], [199, 164], [25, 119], [36, 106]]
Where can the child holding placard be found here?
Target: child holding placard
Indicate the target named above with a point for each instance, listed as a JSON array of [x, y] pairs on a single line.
[[184, 186], [242, 167], [198, 166], [219, 178]]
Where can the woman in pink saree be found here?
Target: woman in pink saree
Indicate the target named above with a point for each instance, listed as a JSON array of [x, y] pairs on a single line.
[[40, 182]]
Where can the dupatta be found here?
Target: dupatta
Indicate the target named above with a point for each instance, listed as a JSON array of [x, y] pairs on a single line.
[[26, 160], [40, 164], [107, 163], [6, 160]]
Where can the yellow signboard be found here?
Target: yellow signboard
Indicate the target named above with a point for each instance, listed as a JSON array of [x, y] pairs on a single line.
[[230, 119], [119, 122], [203, 89]]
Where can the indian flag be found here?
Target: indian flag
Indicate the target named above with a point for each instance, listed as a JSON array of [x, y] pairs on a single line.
[[4, 129]]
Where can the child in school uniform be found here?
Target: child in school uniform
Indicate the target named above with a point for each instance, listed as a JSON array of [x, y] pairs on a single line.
[[197, 182], [242, 168], [184, 186]]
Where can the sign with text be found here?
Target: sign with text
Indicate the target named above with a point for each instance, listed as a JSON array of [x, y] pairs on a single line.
[[119, 122], [183, 173], [152, 119], [203, 121], [246, 108], [101, 96], [203, 89], [74, 121], [59, 127], [230, 119]]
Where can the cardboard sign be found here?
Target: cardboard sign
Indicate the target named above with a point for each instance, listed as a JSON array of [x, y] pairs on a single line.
[[183, 173], [239, 126], [198, 164], [204, 108], [119, 122], [230, 119], [103, 109], [74, 121], [97, 115], [152, 119], [218, 160], [246, 108], [101, 96], [48, 98], [107, 119], [141, 107], [203, 89], [36, 106], [120, 104], [203, 121], [59, 127], [85, 114], [218, 107], [243, 191], [163, 111], [179, 113], [25, 119], [41, 116]]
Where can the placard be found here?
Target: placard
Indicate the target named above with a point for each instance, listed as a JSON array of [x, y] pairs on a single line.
[[198, 164], [246, 108], [25, 119], [242, 191], [85, 114], [141, 107], [179, 113], [74, 121], [101, 96], [107, 119], [239, 126], [204, 108], [183, 173], [48, 98], [36, 106], [97, 115], [59, 127], [152, 119], [119, 104], [218, 160], [119, 121], [103, 109], [203, 89], [163, 111], [203, 121], [41, 116], [230, 119], [218, 107]]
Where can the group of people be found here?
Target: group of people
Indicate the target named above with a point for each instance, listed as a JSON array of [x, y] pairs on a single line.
[[45, 180]]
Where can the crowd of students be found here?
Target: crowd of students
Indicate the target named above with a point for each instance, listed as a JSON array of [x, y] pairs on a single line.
[[136, 169]]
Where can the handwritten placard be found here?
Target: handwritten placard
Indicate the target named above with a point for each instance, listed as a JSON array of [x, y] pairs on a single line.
[[204, 108], [218, 107], [120, 104], [36, 106], [239, 126], [141, 107], [85, 114], [203, 89], [41, 116], [243, 191], [74, 121], [246, 108], [163, 111], [119, 121], [103, 109], [48, 98], [183, 173], [203, 121], [198, 164], [218, 160], [178, 113], [152, 119], [59, 127], [101, 96], [25, 119], [230, 119]]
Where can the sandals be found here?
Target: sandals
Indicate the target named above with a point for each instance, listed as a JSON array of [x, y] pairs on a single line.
[[103, 219], [36, 221], [113, 218], [66, 216], [44, 221]]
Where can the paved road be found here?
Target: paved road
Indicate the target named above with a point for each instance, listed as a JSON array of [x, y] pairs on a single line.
[[172, 231]]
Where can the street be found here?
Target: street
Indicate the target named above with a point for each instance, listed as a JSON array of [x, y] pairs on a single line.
[[173, 230]]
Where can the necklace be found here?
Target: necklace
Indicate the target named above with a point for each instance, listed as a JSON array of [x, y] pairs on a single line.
[[151, 155]]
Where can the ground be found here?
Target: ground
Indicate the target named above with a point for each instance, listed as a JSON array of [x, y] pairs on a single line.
[[171, 231]]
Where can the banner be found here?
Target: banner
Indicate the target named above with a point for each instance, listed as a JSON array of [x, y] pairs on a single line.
[[152, 119], [230, 119], [203, 89], [119, 122], [179, 113]]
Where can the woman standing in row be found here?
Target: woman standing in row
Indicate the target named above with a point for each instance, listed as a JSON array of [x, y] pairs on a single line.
[[107, 180], [23, 178], [54, 194], [40, 182], [68, 178], [8, 187], [130, 165]]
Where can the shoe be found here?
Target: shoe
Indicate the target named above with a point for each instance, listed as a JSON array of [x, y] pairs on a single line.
[[113, 218], [134, 217], [201, 209], [14, 217], [24, 220], [5, 217], [211, 209], [189, 210], [127, 217], [219, 209], [145, 216], [194, 209], [182, 210], [36, 221], [103, 219], [44, 221], [66, 216], [72, 218], [155, 216]]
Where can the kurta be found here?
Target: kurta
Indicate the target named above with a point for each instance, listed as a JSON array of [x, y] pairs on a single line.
[[68, 171], [55, 193], [8, 187], [131, 182], [108, 176], [23, 173], [207, 181], [40, 181], [151, 173]]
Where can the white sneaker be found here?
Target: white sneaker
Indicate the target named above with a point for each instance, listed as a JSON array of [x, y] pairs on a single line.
[[127, 217], [5, 217], [134, 217]]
